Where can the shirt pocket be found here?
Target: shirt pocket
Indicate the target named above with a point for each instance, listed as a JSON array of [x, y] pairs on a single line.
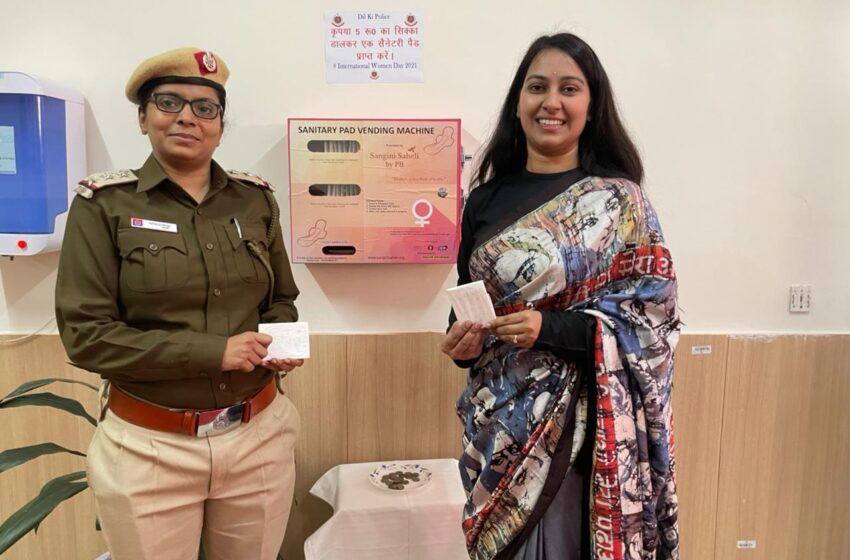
[[152, 261], [248, 266]]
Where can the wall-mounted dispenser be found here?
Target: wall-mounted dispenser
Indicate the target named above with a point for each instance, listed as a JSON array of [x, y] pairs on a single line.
[[42, 155]]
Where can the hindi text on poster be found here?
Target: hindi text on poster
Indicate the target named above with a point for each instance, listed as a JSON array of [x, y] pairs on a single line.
[[363, 47]]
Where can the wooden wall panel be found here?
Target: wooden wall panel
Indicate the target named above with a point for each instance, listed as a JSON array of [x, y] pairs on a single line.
[[824, 512], [698, 381], [318, 390], [784, 452], [401, 393], [760, 425]]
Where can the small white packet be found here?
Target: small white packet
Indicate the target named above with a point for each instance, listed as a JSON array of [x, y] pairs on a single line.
[[290, 340], [471, 302]]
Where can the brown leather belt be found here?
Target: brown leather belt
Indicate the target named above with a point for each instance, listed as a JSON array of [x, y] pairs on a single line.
[[188, 422]]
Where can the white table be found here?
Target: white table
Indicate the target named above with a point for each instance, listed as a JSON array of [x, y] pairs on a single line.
[[370, 523]]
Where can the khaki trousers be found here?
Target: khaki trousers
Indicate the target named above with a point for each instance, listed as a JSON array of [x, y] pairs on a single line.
[[159, 494]]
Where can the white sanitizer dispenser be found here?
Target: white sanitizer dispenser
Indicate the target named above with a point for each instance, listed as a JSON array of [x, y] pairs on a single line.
[[42, 156]]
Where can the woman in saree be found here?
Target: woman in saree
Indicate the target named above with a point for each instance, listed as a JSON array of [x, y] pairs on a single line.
[[568, 441]]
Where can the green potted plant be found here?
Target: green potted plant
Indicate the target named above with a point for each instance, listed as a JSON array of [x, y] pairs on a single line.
[[55, 491]]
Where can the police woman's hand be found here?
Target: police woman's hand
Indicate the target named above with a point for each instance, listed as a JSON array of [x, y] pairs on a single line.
[[520, 329], [464, 340], [245, 351], [283, 364]]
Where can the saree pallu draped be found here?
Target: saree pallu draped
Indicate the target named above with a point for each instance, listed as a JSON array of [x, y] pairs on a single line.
[[597, 248]]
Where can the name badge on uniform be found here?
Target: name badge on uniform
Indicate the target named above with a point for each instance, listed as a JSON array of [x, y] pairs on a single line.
[[151, 224]]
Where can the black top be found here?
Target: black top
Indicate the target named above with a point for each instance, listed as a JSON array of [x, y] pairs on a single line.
[[497, 204]]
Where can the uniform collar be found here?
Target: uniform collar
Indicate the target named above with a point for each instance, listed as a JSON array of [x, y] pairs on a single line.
[[151, 175]]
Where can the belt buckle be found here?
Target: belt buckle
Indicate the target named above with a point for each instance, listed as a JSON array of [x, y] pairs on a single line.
[[219, 421]]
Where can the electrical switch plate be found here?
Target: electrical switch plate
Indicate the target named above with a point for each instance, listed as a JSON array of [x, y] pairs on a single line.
[[801, 298]]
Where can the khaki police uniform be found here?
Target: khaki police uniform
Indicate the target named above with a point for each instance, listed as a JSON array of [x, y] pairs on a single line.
[[150, 286]]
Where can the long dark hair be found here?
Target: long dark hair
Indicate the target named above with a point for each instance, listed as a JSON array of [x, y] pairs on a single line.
[[605, 148]]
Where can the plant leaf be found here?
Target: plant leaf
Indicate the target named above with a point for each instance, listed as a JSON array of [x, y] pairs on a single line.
[[49, 399], [30, 385], [20, 455], [28, 517]]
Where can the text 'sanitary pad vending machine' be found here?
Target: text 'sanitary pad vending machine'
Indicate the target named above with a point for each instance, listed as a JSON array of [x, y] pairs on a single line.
[[42, 155]]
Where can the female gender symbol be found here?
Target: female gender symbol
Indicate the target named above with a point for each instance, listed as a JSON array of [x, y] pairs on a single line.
[[422, 220]]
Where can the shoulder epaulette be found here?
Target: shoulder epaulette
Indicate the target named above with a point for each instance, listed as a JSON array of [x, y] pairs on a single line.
[[246, 177], [88, 186]]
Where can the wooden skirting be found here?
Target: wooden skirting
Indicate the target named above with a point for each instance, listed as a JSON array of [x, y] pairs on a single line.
[[760, 437]]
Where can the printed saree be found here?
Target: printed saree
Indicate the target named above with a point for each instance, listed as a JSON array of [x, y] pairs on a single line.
[[596, 248]]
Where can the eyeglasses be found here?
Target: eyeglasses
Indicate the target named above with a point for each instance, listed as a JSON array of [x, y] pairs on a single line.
[[171, 103]]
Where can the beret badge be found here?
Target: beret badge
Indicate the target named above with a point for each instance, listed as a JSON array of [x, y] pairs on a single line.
[[206, 62]]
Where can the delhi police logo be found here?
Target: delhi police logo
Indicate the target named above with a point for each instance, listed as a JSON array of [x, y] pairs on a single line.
[[209, 62], [221, 422]]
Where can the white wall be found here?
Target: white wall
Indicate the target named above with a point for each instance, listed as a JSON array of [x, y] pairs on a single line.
[[740, 109]]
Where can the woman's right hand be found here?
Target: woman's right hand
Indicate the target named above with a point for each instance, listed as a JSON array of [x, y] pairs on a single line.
[[245, 351], [464, 340]]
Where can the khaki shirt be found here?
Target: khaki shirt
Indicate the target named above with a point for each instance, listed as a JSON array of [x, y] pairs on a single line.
[[152, 310]]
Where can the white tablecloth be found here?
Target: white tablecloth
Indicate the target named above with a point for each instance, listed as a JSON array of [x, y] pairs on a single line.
[[370, 523]]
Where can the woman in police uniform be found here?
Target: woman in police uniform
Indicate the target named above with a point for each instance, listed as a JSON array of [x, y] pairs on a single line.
[[165, 274]]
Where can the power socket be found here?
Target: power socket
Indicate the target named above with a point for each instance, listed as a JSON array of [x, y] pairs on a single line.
[[801, 298]]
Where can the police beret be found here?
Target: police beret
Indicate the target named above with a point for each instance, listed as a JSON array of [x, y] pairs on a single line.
[[185, 65]]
